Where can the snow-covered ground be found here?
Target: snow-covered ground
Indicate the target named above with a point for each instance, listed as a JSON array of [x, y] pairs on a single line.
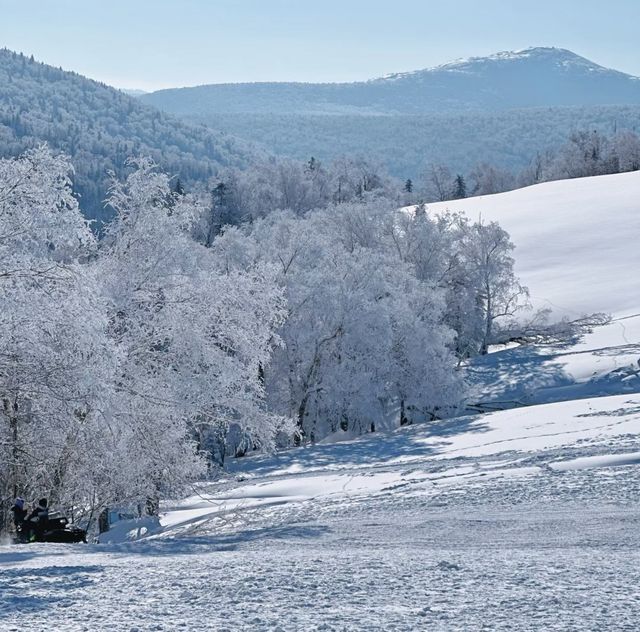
[[524, 519], [576, 241], [521, 519], [602, 362]]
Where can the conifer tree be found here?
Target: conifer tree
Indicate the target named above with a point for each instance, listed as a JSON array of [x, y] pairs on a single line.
[[459, 188]]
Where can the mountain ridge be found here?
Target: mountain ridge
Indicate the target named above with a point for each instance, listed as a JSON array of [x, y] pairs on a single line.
[[563, 55], [532, 77]]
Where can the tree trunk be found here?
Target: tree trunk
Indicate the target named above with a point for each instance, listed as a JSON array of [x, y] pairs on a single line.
[[152, 505], [11, 485], [4, 516], [103, 520], [488, 330], [302, 409], [261, 373], [11, 413], [404, 420]]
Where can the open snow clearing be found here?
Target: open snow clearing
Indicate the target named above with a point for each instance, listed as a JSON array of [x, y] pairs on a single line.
[[522, 519], [576, 241]]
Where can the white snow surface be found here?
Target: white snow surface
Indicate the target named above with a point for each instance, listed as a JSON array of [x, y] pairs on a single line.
[[524, 519], [605, 361], [576, 241]]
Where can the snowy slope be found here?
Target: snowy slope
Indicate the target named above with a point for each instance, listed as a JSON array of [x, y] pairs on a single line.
[[524, 519], [605, 361], [576, 241]]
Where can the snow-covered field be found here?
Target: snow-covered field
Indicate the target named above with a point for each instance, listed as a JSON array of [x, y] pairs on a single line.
[[521, 519], [602, 362], [525, 519], [576, 241]]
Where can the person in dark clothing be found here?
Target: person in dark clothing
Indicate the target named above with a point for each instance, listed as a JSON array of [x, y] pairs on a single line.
[[19, 515], [36, 521]]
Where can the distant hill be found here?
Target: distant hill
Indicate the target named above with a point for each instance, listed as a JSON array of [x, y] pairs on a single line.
[[501, 109], [406, 143], [133, 92], [100, 127], [536, 77]]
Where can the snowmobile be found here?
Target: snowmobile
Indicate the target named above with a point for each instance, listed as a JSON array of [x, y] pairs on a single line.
[[55, 529]]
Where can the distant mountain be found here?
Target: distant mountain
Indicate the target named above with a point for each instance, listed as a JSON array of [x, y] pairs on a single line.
[[100, 127], [501, 109], [536, 77]]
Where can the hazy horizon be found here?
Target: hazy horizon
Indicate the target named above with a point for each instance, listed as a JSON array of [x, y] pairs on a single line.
[[151, 46], [137, 89]]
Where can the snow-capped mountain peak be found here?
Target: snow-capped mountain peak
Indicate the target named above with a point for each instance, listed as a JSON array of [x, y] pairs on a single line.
[[549, 58]]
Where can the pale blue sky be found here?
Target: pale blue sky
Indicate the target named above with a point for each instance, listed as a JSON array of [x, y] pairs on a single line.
[[152, 44]]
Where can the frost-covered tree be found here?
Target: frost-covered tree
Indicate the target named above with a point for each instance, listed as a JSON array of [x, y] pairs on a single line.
[[471, 263], [239, 196], [120, 362], [282, 184], [433, 246], [488, 266], [626, 149], [140, 360], [583, 155], [54, 357], [192, 337], [437, 183], [488, 179], [364, 342]]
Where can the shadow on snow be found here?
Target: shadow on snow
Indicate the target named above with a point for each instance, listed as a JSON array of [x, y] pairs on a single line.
[[201, 544], [411, 444]]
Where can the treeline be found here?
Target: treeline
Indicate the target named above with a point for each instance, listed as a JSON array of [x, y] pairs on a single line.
[[133, 364], [584, 154], [241, 195]]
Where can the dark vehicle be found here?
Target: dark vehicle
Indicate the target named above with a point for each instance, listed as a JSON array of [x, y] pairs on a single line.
[[58, 529], [55, 528]]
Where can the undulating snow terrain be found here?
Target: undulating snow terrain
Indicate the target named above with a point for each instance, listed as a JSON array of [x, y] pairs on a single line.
[[576, 241], [603, 362], [520, 519]]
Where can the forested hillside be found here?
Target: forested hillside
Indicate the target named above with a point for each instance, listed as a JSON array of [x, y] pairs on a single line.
[[100, 127], [405, 144]]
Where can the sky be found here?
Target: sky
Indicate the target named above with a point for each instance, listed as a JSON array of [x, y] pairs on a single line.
[[154, 44]]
